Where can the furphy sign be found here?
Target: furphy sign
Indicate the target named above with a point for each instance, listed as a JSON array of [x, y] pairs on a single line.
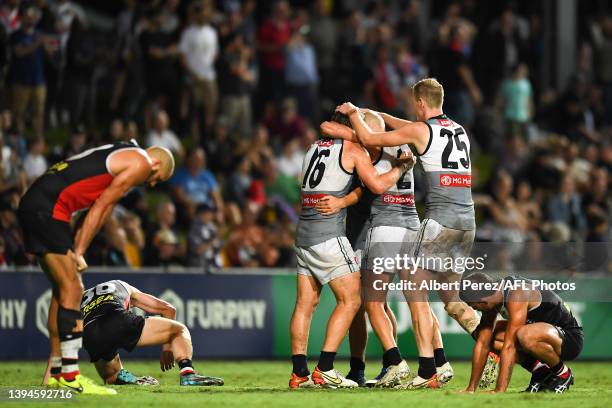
[[228, 316]]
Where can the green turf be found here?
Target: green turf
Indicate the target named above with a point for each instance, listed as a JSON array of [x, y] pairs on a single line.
[[264, 384]]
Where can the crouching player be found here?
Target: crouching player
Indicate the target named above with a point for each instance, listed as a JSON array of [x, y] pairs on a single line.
[[540, 333], [109, 325]]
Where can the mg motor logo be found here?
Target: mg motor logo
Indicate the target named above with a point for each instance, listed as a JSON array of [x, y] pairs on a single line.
[[455, 180]]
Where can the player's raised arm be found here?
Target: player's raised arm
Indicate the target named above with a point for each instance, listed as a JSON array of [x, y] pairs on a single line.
[[131, 168], [338, 131], [415, 133], [481, 348], [517, 308], [376, 183], [151, 304], [393, 122]]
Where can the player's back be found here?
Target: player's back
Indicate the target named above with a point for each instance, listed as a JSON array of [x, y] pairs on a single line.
[[448, 175], [323, 175], [74, 183], [103, 299]]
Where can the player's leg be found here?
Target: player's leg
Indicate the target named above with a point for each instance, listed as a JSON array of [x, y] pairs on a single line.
[[54, 365], [159, 330], [463, 314], [544, 342], [112, 372], [358, 339], [444, 370], [347, 290], [62, 270], [307, 299]]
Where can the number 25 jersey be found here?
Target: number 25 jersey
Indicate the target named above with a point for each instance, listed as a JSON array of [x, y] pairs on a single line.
[[448, 175], [322, 174]]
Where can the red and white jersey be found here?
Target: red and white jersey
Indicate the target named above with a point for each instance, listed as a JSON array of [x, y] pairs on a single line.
[[448, 174]]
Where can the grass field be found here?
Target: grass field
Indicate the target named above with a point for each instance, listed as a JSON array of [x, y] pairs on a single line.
[[264, 384]]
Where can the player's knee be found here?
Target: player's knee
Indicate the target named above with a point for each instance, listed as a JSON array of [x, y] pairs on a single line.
[[307, 303], [374, 307], [179, 329], [67, 322], [352, 303], [455, 309], [526, 338]]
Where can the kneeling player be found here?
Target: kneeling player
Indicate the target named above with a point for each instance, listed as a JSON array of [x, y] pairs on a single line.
[[109, 325], [540, 332]]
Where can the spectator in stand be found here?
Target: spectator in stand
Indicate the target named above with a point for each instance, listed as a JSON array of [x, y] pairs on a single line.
[[28, 73], [565, 207], [77, 143], [159, 50], [461, 92], [10, 16], [387, 81], [193, 185], [11, 138], [198, 48], [12, 176], [323, 35], [10, 233], [236, 81], [272, 38], [35, 163], [290, 161], [258, 151], [220, 149], [131, 132], [163, 246], [301, 74], [286, 124], [162, 136], [116, 131], [134, 239], [239, 182], [204, 242], [279, 185], [516, 101]]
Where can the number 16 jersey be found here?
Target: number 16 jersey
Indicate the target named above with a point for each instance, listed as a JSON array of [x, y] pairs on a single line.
[[448, 175], [322, 174]]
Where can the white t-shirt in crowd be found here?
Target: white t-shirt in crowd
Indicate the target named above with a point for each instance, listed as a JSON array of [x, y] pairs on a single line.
[[34, 165], [199, 46], [292, 165], [165, 138]]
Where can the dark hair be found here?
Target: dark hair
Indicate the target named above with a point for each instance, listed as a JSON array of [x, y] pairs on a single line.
[[341, 118], [469, 294]]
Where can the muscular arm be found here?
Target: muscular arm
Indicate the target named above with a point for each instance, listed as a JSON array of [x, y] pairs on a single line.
[[517, 312], [481, 349], [338, 131], [415, 133], [151, 304], [134, 169], [376, 183], [393, 122]]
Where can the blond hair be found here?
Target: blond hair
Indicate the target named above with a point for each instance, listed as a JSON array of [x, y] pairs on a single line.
[[166, 161], [431, 91], [374, 120]]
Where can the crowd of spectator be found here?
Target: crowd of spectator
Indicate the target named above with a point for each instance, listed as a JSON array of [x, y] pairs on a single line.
[[236, 90]]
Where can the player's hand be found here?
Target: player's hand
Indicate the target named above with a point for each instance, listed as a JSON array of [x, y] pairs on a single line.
[[80, 262], [335, 130], [166, 360], [346, 108], [407, 160], [329, 205]]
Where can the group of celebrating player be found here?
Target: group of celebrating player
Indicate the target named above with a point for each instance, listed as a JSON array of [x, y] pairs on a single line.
[[332, 244], [358, 205]]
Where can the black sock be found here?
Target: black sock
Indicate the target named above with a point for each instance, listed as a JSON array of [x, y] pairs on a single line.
[[385, 360], [56, 371], [440, 357], [393, 356], [300, 366], [528, 362], [556, 370], [357, 364], [427, 367], [326, 360], [186, 366]]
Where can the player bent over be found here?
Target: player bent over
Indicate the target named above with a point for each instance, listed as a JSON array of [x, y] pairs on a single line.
[[540, 333], [325, 256], [109, 325], [95, 179]]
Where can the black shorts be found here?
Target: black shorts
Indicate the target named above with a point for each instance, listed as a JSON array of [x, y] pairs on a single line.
[[103, 337], [573, 338], [43, 234]]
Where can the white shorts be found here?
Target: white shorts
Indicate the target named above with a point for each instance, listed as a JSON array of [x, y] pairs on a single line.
[[387, 242], [326, 261], [443, 249]]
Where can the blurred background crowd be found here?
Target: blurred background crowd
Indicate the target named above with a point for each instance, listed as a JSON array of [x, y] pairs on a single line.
[[236, 89]]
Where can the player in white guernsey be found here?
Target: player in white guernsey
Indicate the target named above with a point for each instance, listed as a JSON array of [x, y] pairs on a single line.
[[324, 254], [447, 231]]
